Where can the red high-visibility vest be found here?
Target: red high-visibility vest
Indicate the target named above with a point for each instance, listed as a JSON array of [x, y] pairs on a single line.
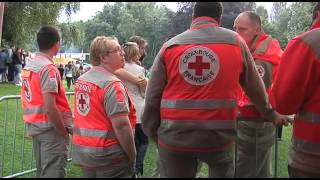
[[203, 67], [93, 132], [32, 99], [296, 91], [269, 50]]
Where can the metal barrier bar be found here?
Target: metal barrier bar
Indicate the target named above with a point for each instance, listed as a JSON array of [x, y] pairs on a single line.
[[14, 137], [4, 135], [23, 142], [11, 136]]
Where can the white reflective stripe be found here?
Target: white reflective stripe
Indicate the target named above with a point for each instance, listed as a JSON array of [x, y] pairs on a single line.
[[306, 146], [99, 156], [198, 104], [92, 149], [101, 134], [198, 124], [308, 116], [37, 128], [34, 110]]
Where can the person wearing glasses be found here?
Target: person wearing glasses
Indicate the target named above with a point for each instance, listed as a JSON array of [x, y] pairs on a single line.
[[103, 136]]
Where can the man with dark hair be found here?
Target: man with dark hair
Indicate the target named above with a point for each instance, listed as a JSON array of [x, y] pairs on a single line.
[[255, 138], [296, 91], [205, 64], [46, 110]]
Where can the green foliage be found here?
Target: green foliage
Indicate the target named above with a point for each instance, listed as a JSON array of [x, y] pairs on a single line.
[[22, 20], [181, 20], [232, 9], [124, 20], [288, 20], [263, 13]]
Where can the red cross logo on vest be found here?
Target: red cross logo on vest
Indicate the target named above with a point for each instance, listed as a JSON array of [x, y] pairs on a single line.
[[83, 103], [199, 65], [260, 70], [26, 90]]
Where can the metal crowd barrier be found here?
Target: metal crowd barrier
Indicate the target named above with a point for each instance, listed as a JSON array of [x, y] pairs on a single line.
[[16, 152]]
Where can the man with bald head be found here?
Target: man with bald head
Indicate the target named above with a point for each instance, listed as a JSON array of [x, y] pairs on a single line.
[[255, 138]]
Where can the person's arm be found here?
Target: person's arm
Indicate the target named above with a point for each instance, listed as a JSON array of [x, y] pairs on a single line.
[[116, 104], [292, 86], [49, 89], [124, 133], [54, 116], [254, 88], [265, 70], [156, 84], [125, 75]]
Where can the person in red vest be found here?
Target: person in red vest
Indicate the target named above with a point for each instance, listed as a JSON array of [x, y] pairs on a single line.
[[46, 110], [191, 98], [255, 137], [103, 135], [296, 91]]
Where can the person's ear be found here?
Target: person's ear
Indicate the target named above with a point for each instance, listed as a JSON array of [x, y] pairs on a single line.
[[258, 29], [103, 59]]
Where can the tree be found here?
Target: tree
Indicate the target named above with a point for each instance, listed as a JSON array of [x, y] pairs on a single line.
[[182, 18], [23, 19], [123, 20], [263, 13], [232, 9], [289, 20]]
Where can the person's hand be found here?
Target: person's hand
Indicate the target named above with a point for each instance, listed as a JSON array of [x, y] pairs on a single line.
[[278, 119], [142, 83], [290, 119], [28, 137]]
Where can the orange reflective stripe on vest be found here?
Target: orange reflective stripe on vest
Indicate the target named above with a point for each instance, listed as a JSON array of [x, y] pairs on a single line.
[[203, 65], [34, 113]]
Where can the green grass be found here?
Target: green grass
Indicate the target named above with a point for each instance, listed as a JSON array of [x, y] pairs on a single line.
[[13, 145]]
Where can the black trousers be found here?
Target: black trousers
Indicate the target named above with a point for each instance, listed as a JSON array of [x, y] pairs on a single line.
[[141, 142]]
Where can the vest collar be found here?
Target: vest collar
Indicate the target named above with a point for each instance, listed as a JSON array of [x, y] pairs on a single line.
[[43, 55], [257, 40], [102, 69], [203, 21]]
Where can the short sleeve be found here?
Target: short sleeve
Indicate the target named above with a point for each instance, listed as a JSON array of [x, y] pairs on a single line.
[[116, 100], [49, 79]]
